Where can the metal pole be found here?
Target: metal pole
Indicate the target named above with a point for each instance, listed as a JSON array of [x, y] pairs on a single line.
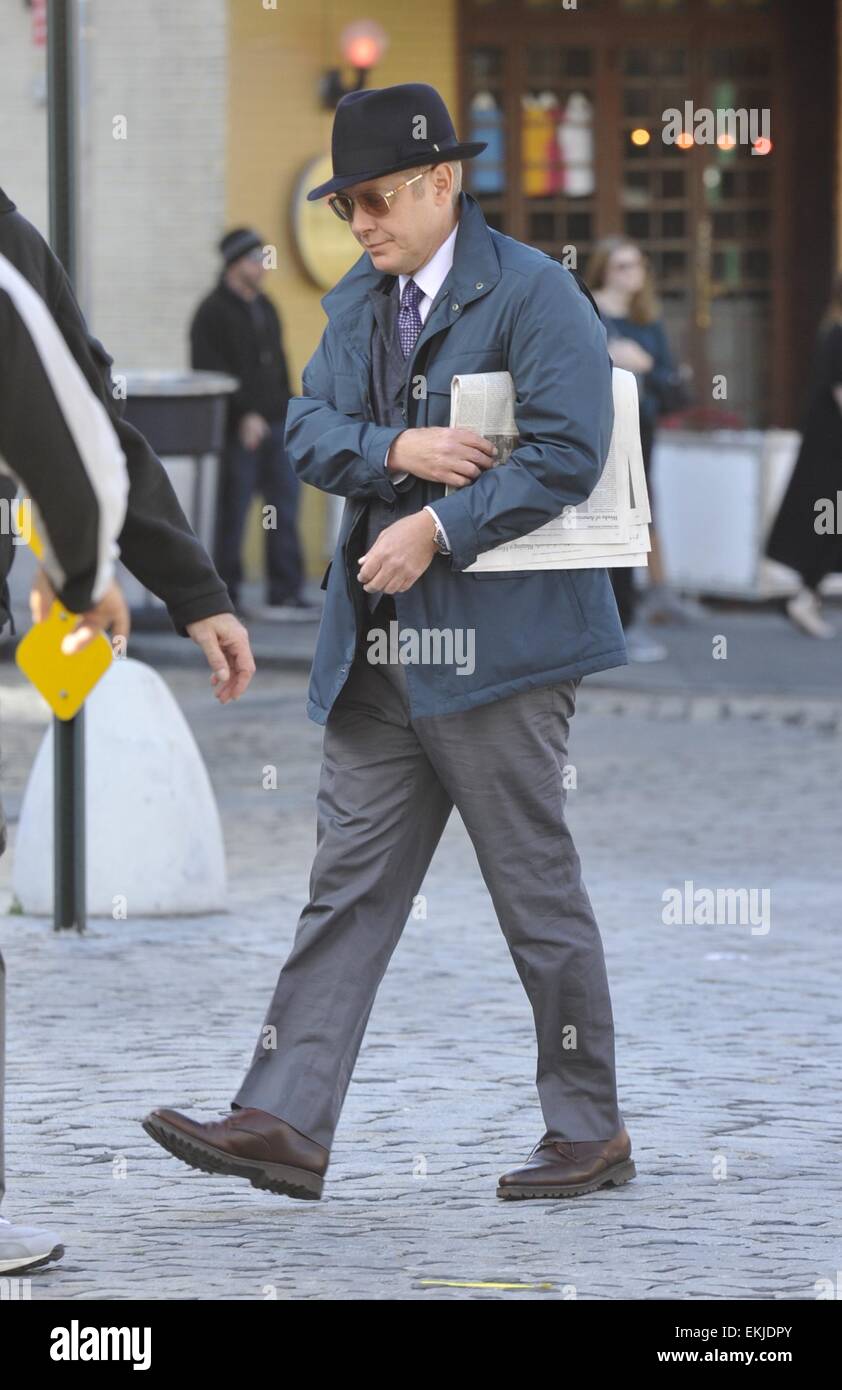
[[69, 822], [69, 898], [61, 121]]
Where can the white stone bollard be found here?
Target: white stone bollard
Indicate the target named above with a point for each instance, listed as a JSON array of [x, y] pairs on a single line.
[[154, 843]]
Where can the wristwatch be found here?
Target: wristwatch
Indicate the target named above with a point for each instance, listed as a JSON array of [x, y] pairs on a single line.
[[439, 540]]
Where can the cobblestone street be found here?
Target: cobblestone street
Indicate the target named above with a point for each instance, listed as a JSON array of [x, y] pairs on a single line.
[[728, 1040]]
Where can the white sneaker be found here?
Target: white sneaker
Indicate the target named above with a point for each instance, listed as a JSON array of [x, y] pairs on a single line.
[[26, 1247], [804, 608], [641, 647], [660, 604]]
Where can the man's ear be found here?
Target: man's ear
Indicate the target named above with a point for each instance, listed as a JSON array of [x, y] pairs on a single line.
[[442, 177]]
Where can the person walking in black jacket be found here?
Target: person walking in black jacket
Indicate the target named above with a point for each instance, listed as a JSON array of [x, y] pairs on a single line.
[[157, 543], [236, 329]]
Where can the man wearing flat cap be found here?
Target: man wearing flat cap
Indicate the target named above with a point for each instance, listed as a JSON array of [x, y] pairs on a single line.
[[435, 293]]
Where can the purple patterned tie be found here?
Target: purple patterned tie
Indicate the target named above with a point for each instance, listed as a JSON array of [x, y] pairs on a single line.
[[409, 319]]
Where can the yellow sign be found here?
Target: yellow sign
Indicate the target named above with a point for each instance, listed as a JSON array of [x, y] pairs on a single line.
[[326, 245], [65, 681]]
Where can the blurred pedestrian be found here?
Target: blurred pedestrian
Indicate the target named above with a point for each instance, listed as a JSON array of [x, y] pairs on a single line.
[[620, 279], [796, 539], [236, 329]]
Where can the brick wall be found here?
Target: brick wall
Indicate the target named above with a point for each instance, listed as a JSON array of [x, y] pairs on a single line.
[[152, 205], [155, 200]]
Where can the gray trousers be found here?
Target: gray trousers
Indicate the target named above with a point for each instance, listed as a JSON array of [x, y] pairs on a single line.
[[388, 784]]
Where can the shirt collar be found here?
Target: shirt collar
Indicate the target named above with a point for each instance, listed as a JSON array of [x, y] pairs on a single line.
[[431, 276]]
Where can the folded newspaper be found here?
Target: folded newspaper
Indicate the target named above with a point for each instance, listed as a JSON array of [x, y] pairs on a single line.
[[610, 528]]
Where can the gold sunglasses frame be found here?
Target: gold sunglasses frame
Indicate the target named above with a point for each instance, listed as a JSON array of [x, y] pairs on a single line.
[[335, 200]]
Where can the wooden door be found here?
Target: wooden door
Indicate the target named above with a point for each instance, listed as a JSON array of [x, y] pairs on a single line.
[[572, 102]]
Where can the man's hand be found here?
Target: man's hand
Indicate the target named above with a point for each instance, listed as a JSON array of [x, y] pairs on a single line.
[[401, 553], [451, 456], [225, 643], [111, 613], [252, 430]]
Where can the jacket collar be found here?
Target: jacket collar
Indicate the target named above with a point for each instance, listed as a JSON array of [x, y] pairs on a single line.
[[475, 270], [6, 204]]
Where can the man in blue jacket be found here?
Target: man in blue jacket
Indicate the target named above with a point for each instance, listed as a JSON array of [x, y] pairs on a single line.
[[437, 293]]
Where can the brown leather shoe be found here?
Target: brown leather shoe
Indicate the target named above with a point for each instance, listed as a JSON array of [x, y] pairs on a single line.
[[247, 1144], [558, 1168]]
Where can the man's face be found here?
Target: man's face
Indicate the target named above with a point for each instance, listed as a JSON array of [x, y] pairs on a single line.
[[402, 240], [250, 268]]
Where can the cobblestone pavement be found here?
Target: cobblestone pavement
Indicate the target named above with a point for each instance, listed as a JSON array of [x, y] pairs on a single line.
[[728, 1040]]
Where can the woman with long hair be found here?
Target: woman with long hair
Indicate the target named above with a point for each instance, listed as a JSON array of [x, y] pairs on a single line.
[[620, 278], [801, 536]]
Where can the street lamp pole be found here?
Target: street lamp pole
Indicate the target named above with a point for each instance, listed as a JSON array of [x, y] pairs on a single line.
[[69, 904]]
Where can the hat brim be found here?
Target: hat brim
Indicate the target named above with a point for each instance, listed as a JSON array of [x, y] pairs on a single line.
[[442, 156]]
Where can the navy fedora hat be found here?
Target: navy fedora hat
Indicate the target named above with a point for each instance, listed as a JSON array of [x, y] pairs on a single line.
[[390, 128]]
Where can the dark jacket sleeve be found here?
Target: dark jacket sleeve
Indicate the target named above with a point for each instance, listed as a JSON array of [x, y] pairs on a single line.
[[212, 349], [329, 449], [41, 451], [157, 543]]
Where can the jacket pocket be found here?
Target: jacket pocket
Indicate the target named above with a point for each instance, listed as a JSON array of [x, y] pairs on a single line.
[[573, 596], [570, 589]]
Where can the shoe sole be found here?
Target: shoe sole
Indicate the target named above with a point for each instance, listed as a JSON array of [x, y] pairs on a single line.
[[612, 1177], [55, 1254], [270, 1177]]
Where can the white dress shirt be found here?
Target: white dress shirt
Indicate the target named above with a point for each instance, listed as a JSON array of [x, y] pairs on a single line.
[[429, 279]]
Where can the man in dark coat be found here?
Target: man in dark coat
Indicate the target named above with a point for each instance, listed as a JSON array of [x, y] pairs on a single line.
[[408, 737], [236, 329]]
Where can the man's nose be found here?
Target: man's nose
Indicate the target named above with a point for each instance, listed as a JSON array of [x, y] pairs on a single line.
[[361, 221]]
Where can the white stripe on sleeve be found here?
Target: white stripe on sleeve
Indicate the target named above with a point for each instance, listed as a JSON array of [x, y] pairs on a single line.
[[87, 420]]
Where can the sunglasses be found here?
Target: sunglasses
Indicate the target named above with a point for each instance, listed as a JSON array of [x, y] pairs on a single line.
[[374, 203]]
